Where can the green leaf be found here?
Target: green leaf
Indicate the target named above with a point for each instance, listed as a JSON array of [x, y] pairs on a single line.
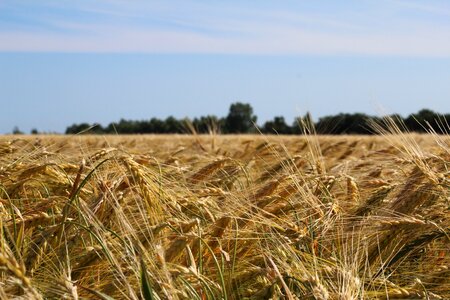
[[146, 288], [100, 295]]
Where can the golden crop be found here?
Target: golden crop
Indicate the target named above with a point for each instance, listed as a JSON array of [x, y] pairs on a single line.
[[225, 217]]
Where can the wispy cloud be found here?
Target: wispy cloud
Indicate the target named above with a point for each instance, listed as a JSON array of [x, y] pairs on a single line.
[[428, 7], [192, 27]]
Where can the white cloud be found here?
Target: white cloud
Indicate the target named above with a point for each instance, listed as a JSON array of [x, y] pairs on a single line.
[[425, 7], [249, 32], [273, 41]]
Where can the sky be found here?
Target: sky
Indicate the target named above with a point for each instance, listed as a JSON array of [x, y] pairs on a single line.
[[97, 61]]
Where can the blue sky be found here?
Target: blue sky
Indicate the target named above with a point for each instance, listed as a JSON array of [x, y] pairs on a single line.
[[63, 62]]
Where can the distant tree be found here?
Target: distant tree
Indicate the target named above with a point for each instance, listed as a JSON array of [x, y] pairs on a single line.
[[240, 118], [157, 125], [96, 129], [16, 130], [78, 128], [344, 124], [330, 125], [127, 126], [111, 128], [277, 125], [208, 124], [398, 121], [388, 123], [359, 123], [303, 125], [426, 120], [446, 125], [34, 131], [173, 125]]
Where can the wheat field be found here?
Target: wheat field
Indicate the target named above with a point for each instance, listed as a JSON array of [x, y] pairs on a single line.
[[225, 217]]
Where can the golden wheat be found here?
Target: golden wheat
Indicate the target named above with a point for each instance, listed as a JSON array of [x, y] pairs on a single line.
[[225, 217]]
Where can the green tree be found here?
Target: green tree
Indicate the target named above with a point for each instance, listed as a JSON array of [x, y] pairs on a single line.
[[425, 120], [356, 123], [277, 125], [240, 118], [85, 128], [77, 128], [16, 130], [303, 125], [173, 125], [208, 124]]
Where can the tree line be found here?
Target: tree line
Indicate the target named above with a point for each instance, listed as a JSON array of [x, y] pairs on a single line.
[[241, 119]]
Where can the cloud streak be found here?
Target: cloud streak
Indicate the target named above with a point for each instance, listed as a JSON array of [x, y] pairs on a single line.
[[120, 27]]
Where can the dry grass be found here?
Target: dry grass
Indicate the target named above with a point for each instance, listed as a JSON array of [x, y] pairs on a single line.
[[232, 217]]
